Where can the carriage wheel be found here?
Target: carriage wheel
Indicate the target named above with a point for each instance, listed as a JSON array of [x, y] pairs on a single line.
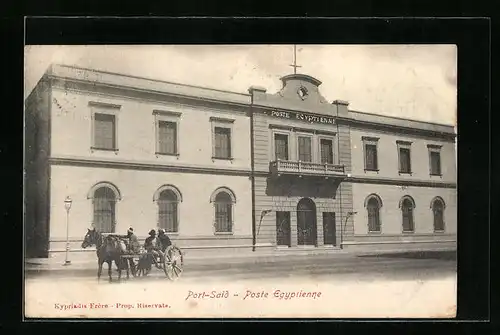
[[173, 263]]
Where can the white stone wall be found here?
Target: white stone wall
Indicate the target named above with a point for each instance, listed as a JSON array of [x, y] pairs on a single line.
[[72, 131], [390, 213], [388, 163], [137, 208]]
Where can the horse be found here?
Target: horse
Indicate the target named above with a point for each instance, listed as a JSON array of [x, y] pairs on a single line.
[[109, 249]]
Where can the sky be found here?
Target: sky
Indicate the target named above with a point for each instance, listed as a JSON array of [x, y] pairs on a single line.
[[409, 81]]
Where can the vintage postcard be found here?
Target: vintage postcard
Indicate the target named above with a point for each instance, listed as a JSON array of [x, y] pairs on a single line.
[[261, 181]]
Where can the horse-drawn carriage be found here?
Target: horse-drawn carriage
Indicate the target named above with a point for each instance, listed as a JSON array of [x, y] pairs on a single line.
[[170, 262], [113, 248]]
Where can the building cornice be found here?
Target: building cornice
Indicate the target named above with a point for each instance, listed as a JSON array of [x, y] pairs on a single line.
[[397, 129], [85, 87], [361, 124], [162, 96], [382, 181], [125, 80], [401, 182], [145, 166]]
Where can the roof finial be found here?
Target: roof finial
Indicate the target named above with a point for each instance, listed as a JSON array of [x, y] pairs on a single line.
[[295, 66]]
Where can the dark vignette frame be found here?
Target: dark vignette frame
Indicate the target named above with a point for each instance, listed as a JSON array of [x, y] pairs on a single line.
[[471, 35]]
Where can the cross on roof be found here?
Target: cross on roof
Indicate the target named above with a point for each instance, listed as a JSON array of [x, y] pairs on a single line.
[[294, 65]]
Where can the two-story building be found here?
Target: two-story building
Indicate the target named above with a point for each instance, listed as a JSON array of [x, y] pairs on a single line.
[[134, 152], [329, 177], [404, 182], [229, 171]]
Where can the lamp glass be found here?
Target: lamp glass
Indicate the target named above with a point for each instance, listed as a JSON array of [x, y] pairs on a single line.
[[67, 203]]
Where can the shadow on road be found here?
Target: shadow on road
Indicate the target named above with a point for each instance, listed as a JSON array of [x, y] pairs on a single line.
[[439, 255]]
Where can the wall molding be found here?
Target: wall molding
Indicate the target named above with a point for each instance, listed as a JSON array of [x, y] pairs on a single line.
[[142, 166], [381, 181], [159, 97], [401, 130], [400, 182], [397, 242]]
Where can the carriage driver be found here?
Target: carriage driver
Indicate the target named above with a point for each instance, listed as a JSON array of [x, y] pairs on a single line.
[[133, 243], [163, 240], [150, 244]]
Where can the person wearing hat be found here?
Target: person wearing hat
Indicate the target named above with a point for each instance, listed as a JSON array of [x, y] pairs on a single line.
[[150, 245], [133, 243], [163, 240]]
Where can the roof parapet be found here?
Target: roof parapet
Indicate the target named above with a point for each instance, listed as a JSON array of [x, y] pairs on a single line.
[[253, 89]]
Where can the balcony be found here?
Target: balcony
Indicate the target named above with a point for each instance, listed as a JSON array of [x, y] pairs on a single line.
[[298, 168]]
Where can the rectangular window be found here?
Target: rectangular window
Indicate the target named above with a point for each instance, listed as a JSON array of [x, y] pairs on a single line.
[[326, 148], [283, 235], [281, 146], [104, 121], [435, 163], [404, 160], [370, 146], [404, 153], [371, 157], [434, 159], [104, 131], [167, 132], [304, 143], [222, 142], [167, 137]]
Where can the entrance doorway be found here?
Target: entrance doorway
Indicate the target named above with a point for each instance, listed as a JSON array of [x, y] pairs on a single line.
[[329, 229], [306, 222], [283, 236]]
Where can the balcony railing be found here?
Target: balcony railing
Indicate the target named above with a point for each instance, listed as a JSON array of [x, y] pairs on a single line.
[[306, 168]]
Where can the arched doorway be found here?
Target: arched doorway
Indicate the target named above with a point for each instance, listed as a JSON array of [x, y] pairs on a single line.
[[306, 222]]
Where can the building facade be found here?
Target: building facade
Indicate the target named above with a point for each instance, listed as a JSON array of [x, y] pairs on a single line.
[[329, 177], [135, 152], [229, 171]]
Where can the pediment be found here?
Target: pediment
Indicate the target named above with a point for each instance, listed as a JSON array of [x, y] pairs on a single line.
[[301, 89]]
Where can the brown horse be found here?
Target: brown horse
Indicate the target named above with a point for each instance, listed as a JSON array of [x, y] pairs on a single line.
[[109, 249]]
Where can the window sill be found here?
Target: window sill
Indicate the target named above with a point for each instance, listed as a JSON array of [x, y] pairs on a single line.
[[371, 170], [374, 232], [166, 154], [223, 158], [439, 231], [436, 175], [401, 173], [224, 233], [409, 232], [103, 149]]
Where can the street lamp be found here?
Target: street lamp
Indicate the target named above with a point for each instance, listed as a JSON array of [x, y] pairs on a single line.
[[67, 205]]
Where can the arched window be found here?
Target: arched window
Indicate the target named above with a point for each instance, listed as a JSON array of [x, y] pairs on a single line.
[[223, 200], [407, 206], [104, 209], [373, 204], [438, 206], [168, 198]]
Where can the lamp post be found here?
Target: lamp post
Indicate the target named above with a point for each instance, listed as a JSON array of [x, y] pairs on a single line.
[[67, 205]]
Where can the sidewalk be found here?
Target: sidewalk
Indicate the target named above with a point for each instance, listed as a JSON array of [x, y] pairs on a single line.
[[217, 260]]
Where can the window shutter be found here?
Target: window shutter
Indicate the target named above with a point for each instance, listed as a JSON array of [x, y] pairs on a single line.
[[104, 131], [167, 132]]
